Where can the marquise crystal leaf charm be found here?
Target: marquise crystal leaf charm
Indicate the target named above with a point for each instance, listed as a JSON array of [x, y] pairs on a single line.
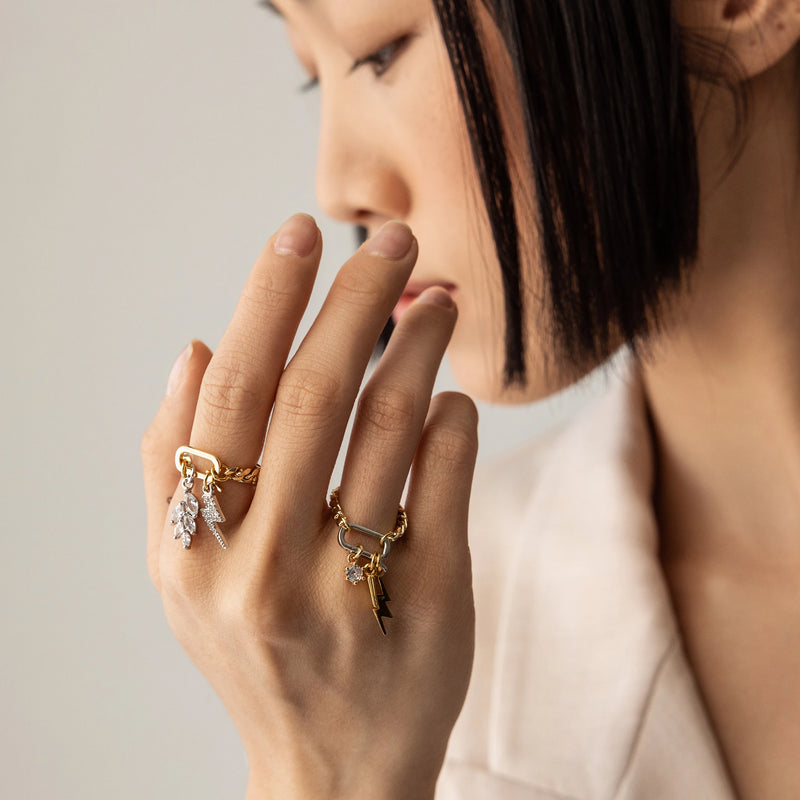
[[212, 514], [185, 513]]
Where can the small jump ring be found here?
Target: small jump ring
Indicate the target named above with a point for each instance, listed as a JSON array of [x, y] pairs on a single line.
[[219, 472]]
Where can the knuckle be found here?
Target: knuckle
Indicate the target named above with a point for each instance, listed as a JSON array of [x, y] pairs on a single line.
[[359, 287], [306, 396], [268, 295], [255, 617], [226, 391], [452, 445], [184, 583], [240, 609], [387, 409]]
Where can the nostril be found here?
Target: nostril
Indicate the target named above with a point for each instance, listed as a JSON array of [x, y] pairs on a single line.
[[362, 217], [735, 8]]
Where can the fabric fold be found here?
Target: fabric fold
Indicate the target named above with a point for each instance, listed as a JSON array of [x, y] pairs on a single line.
[[586, 692]]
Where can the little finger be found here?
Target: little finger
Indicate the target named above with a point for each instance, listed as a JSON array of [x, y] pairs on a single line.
[[169, 429], [438, 498]]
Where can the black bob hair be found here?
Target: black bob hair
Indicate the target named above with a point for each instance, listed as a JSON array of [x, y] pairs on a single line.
[[603, 86]]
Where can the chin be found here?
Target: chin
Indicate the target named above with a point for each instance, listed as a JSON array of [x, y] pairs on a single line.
[[482, 379]]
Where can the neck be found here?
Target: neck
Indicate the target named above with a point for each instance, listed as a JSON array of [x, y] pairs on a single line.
[[723, 382]]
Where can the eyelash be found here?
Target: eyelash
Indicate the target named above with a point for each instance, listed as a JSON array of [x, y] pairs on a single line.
[[380, 60]]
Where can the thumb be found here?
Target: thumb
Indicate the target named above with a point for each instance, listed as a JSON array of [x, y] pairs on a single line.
[[170, 428]]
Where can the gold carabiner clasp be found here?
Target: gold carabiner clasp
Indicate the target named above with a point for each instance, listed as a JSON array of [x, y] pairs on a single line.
[[184, 456]]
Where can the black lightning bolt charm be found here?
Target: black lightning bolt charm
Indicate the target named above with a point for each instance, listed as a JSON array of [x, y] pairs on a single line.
[[380, 597]]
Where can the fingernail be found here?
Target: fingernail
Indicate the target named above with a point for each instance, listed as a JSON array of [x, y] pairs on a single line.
[[393, 240], [176, 373], [437, 296], [297, 236]]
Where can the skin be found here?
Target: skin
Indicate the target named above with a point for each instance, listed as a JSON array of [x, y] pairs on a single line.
[[374, 164], [723, 388], [289, 646]]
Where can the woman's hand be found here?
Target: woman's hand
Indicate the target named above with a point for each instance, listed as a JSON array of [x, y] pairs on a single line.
[[326, 705]]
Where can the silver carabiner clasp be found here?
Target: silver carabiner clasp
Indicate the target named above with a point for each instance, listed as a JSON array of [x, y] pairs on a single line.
[[387, 544]]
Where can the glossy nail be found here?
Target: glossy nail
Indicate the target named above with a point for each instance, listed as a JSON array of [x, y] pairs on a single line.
[[297, 236], [392, 241], [437, 296]]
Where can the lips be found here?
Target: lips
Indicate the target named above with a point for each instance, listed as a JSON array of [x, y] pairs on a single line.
[[413, 290]]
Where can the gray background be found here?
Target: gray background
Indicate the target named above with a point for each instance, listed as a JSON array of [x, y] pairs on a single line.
[[148, 151]]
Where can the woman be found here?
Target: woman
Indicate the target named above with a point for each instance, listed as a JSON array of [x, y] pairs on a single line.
[[636, 575]]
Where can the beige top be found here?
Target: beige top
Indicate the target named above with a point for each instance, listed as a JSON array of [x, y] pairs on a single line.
[[581, 689]]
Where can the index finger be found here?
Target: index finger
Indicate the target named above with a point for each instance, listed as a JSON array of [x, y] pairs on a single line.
[[239, 384]]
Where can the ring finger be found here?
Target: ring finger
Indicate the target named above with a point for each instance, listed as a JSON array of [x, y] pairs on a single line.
[[392, 410]]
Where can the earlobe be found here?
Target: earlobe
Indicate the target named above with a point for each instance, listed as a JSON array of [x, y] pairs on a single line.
[[758, 33]]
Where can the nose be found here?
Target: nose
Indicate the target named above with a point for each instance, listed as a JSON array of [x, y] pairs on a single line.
[[359, 177]]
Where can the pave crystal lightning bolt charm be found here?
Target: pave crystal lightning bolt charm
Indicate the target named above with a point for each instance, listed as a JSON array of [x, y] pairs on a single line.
[[183, 517], [185, 513], [212, 514]]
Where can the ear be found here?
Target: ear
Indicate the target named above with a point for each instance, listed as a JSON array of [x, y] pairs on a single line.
[[758, 33]]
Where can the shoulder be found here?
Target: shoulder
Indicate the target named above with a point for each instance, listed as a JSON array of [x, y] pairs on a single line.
[[577, 645]]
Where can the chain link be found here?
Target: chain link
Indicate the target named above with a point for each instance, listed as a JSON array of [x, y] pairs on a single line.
[[401, 525]]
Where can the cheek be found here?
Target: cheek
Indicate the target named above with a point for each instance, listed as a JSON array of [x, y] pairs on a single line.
[[456, 242], [449, 217], [478, 351]]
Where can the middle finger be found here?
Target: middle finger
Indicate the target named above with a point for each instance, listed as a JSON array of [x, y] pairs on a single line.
[[319, 386]]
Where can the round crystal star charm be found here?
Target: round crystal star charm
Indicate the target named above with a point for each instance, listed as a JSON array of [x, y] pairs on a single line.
[[354, 573]]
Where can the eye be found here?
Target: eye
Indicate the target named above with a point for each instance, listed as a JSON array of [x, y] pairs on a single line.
[[382, 59]]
